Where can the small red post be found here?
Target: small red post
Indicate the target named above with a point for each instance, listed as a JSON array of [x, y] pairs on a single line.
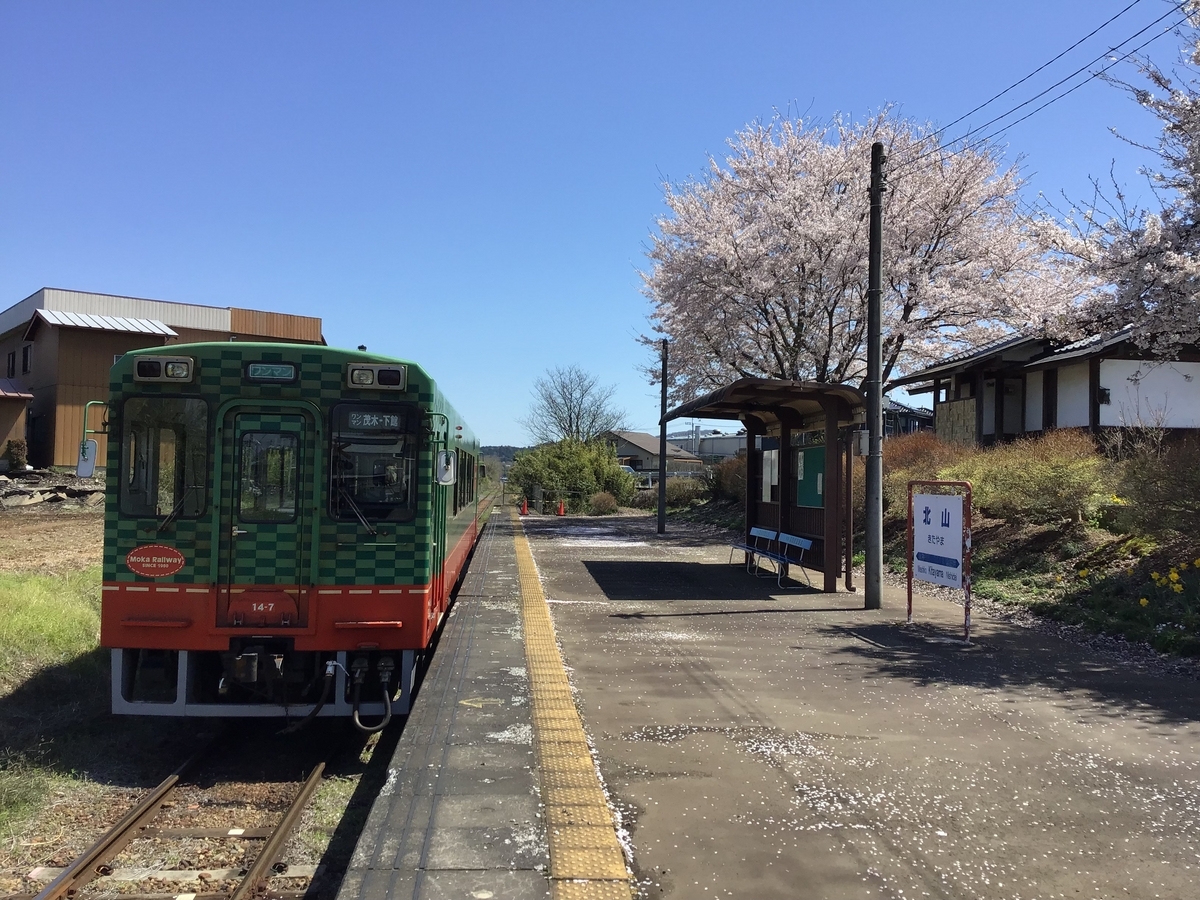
[[524, 506], [562, 507]]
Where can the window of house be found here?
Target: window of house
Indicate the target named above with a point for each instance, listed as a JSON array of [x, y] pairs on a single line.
[[11, 369], [26, 359]]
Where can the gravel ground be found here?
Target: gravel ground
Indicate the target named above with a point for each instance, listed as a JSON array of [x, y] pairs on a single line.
[[51, 537]]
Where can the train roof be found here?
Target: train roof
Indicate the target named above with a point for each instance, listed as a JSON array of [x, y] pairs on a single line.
[[250, 348]]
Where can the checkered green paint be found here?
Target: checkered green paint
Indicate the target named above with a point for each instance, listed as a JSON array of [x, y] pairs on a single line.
[[347, 553]]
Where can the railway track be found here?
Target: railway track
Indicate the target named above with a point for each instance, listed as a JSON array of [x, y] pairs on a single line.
[[94, 870]]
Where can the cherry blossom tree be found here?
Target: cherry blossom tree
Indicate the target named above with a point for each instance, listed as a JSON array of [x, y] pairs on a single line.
[[759, 268], [1151, 257]]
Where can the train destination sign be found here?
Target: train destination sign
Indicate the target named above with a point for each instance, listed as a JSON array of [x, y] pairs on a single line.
[[276, 372], [937, 528], [373, 421], [154, 560]]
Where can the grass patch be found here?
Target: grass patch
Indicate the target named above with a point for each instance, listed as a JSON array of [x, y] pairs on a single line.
[[22, 787], [50, 670], [45, 620]]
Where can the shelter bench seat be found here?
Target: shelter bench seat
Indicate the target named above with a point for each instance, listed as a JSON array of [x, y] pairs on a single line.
[[780, 548]]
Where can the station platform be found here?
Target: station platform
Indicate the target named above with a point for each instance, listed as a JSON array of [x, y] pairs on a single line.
[[632, 716]]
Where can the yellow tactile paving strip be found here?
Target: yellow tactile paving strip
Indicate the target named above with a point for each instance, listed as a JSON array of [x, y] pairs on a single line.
[[586, 862]]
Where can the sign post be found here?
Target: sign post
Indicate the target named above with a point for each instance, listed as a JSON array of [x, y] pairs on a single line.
[[939, 541]]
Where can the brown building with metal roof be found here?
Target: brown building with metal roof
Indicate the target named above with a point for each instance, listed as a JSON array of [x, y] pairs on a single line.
[[56, 347]]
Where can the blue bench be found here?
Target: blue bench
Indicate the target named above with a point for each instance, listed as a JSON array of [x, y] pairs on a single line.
[[778, 547]]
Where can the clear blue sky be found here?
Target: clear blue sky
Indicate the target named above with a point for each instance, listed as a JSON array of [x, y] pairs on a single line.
[[470, 185]]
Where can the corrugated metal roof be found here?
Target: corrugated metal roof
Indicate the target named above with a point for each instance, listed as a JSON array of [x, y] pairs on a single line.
[[102, 323], [10, 391], [177, 315]]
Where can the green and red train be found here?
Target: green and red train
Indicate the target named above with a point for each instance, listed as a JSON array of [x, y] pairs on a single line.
[[284, 526]]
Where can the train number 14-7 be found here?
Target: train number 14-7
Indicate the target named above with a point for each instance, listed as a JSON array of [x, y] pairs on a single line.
[[262, 607]]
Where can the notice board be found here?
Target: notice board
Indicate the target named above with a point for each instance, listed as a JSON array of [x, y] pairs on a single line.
[[810, 477]]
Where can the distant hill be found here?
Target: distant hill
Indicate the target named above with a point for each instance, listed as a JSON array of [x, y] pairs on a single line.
[[505, 452]]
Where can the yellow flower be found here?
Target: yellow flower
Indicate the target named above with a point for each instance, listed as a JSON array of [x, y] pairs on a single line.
[[1174, 576], [1058, 578], [1083, 573], [1183, 567], [1154, 575], [1196, 562], [1144, 602], [1177, 588]]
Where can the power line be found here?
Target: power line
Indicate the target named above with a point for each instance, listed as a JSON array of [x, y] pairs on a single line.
[[1076, 87], [971, 145], [1085, 66], [1040, 68]]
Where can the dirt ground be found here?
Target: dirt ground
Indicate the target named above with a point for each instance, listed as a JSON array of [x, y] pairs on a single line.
[[67, 539]]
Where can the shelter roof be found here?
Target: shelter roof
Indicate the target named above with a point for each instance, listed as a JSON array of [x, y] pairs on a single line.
[[98, 323], [771, 400], [10, 391]]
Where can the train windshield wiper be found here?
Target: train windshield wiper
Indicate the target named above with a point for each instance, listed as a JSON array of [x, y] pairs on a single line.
[[354, 507], [178, 508]]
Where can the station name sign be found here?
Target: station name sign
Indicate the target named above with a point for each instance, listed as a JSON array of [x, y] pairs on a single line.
[[937, 524]]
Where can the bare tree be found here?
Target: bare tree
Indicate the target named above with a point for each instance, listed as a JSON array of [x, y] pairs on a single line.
[[569, 403]]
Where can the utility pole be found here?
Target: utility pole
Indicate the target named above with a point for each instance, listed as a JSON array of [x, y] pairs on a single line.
[[662, 448], [873, 588]]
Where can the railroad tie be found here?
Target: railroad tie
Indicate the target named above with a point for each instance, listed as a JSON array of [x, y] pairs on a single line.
[[586, 861]]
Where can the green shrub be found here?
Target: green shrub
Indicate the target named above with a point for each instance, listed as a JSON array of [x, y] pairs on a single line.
[[727, 480], [602, 504], [573, 471], [17, 453], [645, 499], [682, 491], [1054, 477], [1159, 486], [908, 457]]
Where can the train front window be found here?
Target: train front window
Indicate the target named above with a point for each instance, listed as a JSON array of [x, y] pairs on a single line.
[[163, 457], [268, 476], [373, 461]]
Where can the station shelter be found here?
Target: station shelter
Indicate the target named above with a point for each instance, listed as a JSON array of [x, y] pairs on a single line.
[[799, 438]]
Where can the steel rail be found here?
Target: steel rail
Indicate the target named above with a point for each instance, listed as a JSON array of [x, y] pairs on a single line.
[[274, 845], [86, 866]]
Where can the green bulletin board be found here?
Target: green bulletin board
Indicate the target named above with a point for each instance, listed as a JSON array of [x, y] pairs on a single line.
[[810, 477]]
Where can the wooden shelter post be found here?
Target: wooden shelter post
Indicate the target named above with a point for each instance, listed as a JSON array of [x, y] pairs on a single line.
[[833, 496], [849, 505], [753, 474]]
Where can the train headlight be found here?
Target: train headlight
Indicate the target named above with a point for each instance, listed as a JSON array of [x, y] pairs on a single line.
[[176, 369], [362, 376]]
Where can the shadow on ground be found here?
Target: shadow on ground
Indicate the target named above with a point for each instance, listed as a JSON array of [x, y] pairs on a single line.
[[1011, 659], [649, 580]]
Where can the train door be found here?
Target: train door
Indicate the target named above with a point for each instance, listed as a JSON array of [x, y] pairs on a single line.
[[439, 542], [266, 516]]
